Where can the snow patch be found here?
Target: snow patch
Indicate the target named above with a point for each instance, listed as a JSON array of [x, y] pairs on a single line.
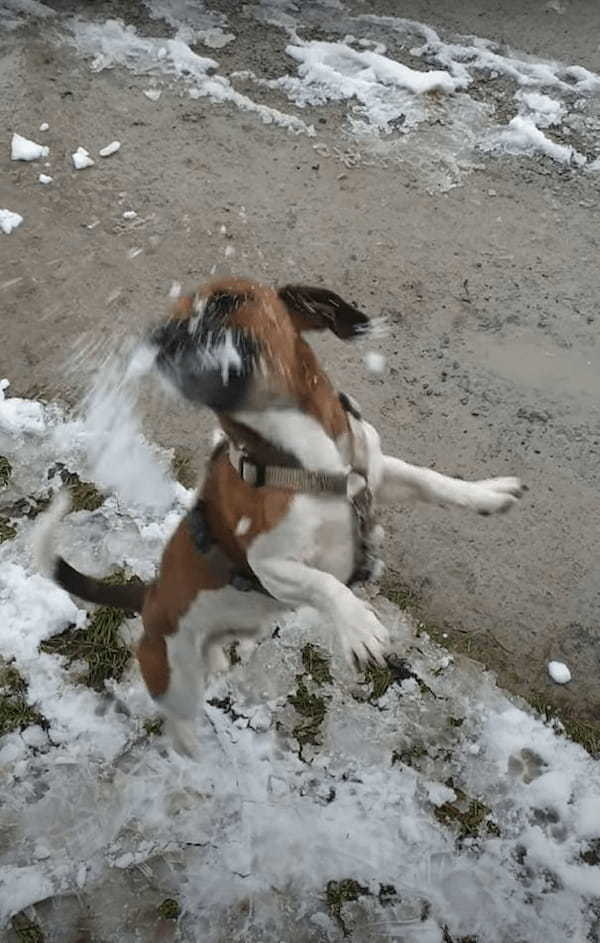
[[45, 178], [252, 819], [112, 44]]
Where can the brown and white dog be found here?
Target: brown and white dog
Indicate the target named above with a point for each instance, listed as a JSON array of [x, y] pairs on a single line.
[[284, 516]]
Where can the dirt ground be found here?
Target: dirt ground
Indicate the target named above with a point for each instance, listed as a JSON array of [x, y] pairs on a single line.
[[490, 290]]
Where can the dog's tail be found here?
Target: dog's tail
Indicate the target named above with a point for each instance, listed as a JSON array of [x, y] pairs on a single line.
[[48, 562]]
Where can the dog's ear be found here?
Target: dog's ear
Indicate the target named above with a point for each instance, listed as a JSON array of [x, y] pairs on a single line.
[[316, 309]]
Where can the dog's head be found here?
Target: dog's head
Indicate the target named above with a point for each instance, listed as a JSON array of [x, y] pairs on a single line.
[[235, 341]]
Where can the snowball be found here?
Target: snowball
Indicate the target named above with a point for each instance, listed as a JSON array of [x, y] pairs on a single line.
[[111, 148], [375, 362], [23, 149], [44, 178], [9, 221], [81, 159], [559, 672], [243, 526], [44, 126]]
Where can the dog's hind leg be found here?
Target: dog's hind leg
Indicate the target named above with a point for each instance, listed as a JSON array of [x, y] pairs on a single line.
[[169, 667]]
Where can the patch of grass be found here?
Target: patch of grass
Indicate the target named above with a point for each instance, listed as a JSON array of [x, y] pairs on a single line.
[[153, 726], [468, 815], [585, 733], [84, 495], [456, 721], [5, 471], [169, 909], [338, 893], [381, 677], [387, 894], [29, 507], [7, 530], [401, 597], [233, 654], [183, 467], [457, 939], [408, 756], [26, 931], [312, 709], [98, 643], [591, 855], [316, 664], [15, 712]]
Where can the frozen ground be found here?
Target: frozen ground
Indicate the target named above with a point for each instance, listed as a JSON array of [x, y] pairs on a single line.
[[419, 805], [440, 169]]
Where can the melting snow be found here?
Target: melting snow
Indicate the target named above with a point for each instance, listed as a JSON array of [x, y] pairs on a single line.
[[250, 837], [113, 44]]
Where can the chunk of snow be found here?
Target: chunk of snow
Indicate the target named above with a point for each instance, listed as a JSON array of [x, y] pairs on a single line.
[[375, 362], [111, 148], [175, 290], [134, 252], [354, 72], [21, 415], [559, 672], [215, 38], [44, 126], [545, 111], [44, 178], [522, 136], [152, 93], [81, 159], [21, 887], [229, 252], [129, 214], [9, 221], [111, 44], [23, 149]]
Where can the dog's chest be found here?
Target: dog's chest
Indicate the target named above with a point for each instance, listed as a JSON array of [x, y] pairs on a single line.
[[316, 531]]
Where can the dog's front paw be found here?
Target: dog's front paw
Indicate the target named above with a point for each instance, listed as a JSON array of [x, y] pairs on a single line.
[[364, 639], [494, 494]]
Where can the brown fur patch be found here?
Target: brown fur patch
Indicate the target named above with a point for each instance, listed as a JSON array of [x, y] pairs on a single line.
[[229, 499]]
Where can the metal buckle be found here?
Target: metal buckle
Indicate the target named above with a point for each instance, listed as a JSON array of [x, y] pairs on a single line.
[[247, 470]]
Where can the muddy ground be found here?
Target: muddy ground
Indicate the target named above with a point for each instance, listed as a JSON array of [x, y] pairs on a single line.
[[490, 290]]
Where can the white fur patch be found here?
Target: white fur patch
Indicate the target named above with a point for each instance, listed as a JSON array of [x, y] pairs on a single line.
[[45, 537], [297, 433]]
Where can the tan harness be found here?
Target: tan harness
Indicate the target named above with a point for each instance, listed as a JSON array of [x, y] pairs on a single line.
[[353, 484]]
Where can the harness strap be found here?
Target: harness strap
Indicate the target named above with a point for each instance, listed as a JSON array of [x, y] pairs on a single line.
[[281, 476]]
